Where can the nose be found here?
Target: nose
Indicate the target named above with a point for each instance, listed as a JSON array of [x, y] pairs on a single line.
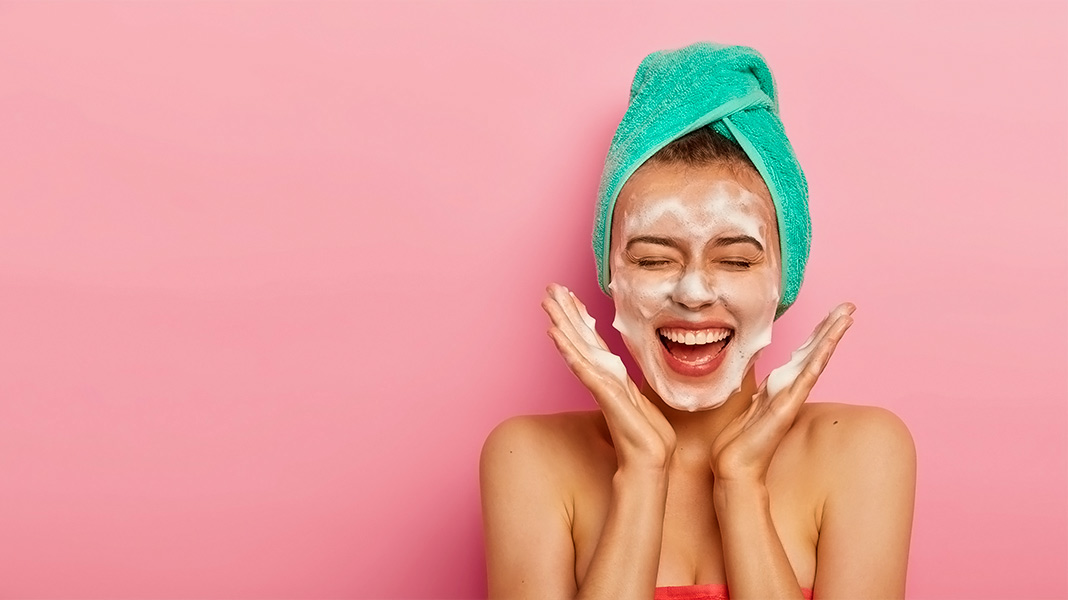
[[694, 290]]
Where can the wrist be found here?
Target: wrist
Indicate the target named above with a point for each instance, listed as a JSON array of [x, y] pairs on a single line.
[[633, 476], [733, 493], [646, 464]]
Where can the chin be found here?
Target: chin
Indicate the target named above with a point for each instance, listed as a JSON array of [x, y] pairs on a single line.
[[689, 397]]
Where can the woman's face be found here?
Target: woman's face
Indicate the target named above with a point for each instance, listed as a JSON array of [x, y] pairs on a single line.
[[695, 277]]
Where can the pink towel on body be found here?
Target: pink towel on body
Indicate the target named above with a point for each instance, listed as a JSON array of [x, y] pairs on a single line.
[[710, 591]]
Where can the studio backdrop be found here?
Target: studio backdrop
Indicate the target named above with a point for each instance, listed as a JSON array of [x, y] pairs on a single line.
[[270, 272]]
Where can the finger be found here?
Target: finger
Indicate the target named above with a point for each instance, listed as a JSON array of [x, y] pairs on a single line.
[[589, 320], [579, 324], [605, 392], [560, 318], [821, 356], [598, 359], [828, 321], [830, 339], [585, 324], [791, 379], [803, 350], [802, 353], [576, 361], [757, 404]]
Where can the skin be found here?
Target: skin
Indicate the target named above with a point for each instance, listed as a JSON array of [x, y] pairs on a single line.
[[759, 490], [689, 250]]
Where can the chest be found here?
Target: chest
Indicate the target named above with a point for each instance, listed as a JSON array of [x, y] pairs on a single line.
[[692, 549]]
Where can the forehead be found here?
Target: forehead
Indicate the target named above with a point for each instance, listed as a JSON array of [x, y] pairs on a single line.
[[670, 195]]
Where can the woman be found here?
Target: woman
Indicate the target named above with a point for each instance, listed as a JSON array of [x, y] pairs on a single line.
[[700, 481]]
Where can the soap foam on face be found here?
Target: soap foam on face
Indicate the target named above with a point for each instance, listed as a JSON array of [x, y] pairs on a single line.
[[749, 300]]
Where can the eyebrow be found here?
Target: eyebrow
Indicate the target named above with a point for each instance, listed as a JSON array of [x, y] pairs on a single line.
[[653, 239], [738, 239], [671, 243]]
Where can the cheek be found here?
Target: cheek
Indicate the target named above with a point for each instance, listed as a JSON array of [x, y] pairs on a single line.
[[640, 295], [750, 297]]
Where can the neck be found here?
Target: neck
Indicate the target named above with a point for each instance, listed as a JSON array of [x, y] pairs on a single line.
[[695, 431]]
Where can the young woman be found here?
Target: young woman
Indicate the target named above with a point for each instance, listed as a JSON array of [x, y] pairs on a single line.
[[700, 483]]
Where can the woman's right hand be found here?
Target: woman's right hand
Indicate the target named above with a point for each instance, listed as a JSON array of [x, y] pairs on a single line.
[[642, 436]]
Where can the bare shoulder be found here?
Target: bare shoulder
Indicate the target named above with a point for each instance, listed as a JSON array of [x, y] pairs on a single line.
[[527, 474], [863, 462], [853, 429], [551, 443], [847, 442]]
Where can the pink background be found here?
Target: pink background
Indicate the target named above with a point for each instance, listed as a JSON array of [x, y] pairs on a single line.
[[270, 272]]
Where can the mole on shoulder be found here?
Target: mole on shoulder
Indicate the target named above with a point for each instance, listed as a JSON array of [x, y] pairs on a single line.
[[835, 423]]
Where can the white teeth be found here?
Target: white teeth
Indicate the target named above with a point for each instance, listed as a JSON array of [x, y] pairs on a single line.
[[693, 338]]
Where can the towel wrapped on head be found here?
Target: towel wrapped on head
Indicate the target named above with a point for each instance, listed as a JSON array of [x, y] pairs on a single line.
[[730, 89]]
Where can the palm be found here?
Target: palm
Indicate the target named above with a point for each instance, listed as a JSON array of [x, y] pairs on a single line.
[[639, 430], [744, 448]]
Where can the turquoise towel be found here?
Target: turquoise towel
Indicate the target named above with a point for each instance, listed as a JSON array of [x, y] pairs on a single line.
[[731, 89]]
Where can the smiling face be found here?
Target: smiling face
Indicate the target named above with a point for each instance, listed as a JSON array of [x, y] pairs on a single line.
[[695, 277]]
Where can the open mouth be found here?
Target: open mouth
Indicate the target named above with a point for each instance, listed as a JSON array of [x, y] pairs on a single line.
[[695, 348]]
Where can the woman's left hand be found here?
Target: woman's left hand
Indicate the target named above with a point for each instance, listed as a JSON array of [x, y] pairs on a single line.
[[743, 450]]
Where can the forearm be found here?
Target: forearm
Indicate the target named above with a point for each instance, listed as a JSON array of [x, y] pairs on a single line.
[[755, 561], [627, 557]]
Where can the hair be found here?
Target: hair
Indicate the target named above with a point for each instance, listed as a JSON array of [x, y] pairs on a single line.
[[704, 147]]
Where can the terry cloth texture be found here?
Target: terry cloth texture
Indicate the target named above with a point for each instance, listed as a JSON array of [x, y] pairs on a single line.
[[729, 88]]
